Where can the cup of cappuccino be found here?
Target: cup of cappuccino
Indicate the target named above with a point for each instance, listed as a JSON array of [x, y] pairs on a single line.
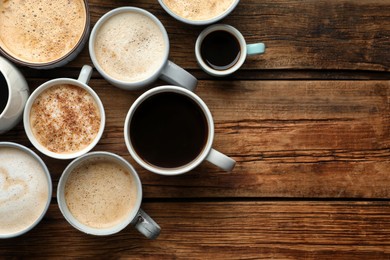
[[64, 118], [221, 49], [25, 189], [198, 12], [14, 92], [100, 194], [43, 34], [169, 130], [129, 47]]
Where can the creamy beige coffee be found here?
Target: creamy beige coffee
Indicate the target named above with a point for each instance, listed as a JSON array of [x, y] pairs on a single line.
[[24, 190], [198, 10], [65, 118], [41, 31], [100, 193], [130, 47]]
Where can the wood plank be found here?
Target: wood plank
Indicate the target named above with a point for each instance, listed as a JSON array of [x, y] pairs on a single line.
[[308, 34], [225, 230], [313, 139]]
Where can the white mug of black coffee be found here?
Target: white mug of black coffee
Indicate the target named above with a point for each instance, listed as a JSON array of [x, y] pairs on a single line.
[[221, 49], [169, 130], [100, 194], [14, 93]]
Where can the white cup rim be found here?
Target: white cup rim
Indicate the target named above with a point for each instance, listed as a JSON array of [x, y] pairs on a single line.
[[8, 104], [182, 169], [199, 22], [77, 224], [234, 32], [117, 82], [37, 92], [49, 183]]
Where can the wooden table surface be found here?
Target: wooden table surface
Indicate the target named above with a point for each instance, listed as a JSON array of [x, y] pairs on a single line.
[[308, 123]]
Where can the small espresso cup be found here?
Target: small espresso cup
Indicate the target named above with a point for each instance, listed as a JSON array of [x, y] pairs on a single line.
[[129, 47], [169, 130], [64, 118], [221, 49], [197, 12], [14, 92], [100, 194], [45, 34], [25, 189]]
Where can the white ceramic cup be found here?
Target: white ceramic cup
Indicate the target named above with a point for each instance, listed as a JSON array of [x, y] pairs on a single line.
[[41, 164], [137, 217], [245, 49], [81, 82], [18, 92], [208, 153], [210, 20], [167, 70]]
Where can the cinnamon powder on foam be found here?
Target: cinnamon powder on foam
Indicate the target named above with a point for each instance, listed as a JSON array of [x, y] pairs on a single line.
[[65, 118]]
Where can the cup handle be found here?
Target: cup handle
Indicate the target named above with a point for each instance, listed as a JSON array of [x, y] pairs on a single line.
[[178, 76], [146, 225], [85, 74], [219, 159], [255, 48]]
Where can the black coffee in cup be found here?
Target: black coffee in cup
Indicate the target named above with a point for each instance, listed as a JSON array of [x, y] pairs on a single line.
[[4, 93], [220, 50], [168, 130]]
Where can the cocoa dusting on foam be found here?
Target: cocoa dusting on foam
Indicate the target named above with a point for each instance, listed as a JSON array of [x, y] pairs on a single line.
[[65, 119]]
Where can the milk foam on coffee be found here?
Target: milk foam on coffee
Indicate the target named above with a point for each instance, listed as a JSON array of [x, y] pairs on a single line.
[[41, 31], [23, 190], [65, 119], [198, 10], [100, 193], [130, 47]]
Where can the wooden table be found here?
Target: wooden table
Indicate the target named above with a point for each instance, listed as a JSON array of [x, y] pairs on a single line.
[[308, 124]]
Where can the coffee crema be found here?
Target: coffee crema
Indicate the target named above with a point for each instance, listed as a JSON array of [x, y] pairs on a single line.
[[198, 10], [41, 31], [130, 46], [24, 190], [65, 118], [100, 193]]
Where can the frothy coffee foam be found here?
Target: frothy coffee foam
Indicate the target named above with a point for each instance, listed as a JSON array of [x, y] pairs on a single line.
[[198, 10], [23, 190], [41, 31], [100, 193], [130, 47], [65, 119]]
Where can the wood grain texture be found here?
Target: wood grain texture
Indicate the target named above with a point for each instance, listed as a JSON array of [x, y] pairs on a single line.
[[225, 230]]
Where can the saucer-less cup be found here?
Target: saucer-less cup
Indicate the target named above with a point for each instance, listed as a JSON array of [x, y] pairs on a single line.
[[129, 47], [169, 130], [68, 122], [13, 95], [133, 215], [199, 12], [25, 189], [212, 42]]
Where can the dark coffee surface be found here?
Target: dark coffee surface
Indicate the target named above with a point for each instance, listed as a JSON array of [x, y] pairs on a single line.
[[220, 50], [168, 130], [3, 93]]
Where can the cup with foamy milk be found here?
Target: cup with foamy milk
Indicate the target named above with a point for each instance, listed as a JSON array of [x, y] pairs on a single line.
[[43, 34], [198, 12], [129, 47], [25, 189], [100, 194], [64, 118]]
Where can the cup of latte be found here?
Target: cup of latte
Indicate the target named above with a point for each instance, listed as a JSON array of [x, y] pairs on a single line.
[[198, 12], [129, 47], [100, 194], [43, 34], [25, 189], [64, 118]]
